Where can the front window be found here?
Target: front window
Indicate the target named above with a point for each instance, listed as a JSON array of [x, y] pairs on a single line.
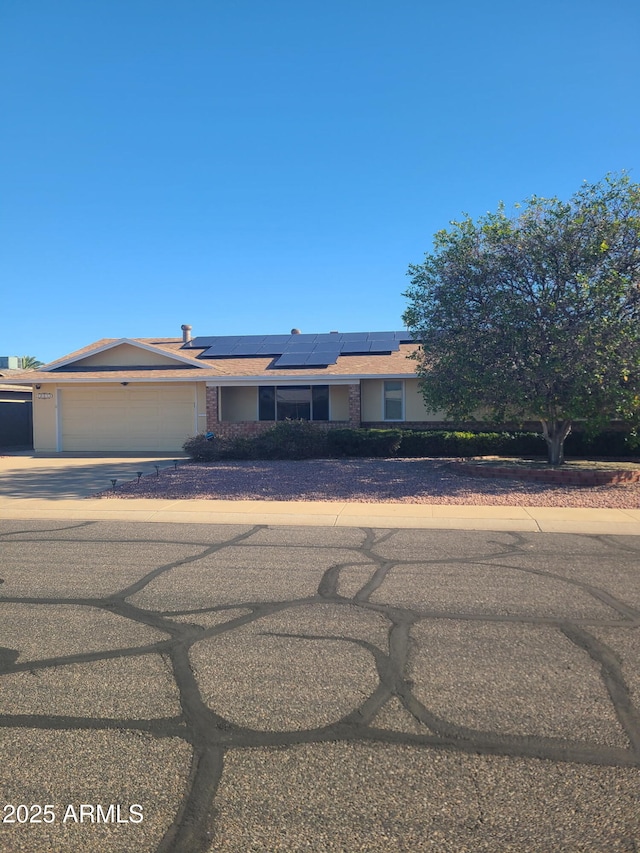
[[393, 400], [294, 402]]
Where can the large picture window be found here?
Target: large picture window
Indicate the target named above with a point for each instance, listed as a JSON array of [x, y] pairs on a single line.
[[393, 400], [294, 402]]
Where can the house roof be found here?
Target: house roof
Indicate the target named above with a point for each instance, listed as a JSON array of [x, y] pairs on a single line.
[[9, 373], [193, 360]]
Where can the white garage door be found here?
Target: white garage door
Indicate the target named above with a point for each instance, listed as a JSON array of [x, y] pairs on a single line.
[[117, 417]]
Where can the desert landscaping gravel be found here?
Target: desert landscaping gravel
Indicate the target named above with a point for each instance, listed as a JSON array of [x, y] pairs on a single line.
[[416, 481]]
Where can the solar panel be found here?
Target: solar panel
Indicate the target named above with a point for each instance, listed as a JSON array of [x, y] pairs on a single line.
[[352, 347], [321, 359], [243, 349], [198, 342], [381, 336], [218, 350], [212, 341], [294, 350], [355, 336], [270, 340], [328, 346], [299, 348], [384, 346], [269, 349], [227, 339], [291, 360]]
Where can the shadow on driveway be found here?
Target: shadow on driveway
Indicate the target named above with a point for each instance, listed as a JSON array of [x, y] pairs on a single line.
[[67, 476]]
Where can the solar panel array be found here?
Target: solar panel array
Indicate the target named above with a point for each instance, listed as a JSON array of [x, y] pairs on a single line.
[[300, 350]]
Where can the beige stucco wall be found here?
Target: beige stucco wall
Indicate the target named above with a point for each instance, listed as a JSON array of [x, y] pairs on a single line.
[[45, 415], [339, 402], [371, 397], [415, 409], [372, 402], [239, 404], [126, 355]]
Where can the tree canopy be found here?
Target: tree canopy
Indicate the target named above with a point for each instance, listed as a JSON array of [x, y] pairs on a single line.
[[535, 315], [30, 362]]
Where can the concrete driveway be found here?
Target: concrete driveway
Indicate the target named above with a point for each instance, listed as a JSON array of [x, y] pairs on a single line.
[[68, 476], [178, 688]]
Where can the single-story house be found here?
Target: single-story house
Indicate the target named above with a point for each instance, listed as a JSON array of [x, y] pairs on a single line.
[[151, 394]]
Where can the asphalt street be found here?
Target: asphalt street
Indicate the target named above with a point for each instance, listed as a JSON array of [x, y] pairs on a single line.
[[179, 688]]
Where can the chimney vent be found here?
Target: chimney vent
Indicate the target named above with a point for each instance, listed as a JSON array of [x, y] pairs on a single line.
[[186, 333]]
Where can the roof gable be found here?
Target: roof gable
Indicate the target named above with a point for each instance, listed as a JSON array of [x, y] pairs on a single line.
[[123, 353]]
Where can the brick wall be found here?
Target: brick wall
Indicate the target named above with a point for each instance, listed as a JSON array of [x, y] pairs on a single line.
[[559, 476], [227, 429], [212, 409], [354, 406]]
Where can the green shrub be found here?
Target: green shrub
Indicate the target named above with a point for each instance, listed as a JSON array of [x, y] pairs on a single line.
[[364, 442], [609, 443], [291, 440], [238, 447], [201, 449]]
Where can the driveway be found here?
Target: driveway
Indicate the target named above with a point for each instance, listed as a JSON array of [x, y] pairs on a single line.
[[178, 688], [64, 476]]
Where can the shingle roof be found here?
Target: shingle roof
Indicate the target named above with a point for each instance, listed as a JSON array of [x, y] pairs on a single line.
[[65, 369]]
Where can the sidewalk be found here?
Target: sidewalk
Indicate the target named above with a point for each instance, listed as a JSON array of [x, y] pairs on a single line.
[[331, 514]]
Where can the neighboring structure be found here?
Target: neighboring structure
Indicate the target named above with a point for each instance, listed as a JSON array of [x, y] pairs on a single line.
[[152, 394], [16, 425], [10, 362]]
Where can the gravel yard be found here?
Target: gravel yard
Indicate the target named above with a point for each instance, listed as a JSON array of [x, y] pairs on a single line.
[[417, 481]]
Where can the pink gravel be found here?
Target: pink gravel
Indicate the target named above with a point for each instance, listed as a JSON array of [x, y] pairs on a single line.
[[416, 481]]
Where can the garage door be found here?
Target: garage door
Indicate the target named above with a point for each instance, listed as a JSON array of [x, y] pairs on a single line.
[[130, 417]]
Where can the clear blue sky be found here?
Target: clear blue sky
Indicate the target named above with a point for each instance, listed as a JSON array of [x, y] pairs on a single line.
[[247, 166]]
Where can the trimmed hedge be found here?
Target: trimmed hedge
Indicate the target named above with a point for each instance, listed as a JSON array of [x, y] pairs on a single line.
[[364, 442], [434, 443], [608, 443], [304, 440], [456, 443]]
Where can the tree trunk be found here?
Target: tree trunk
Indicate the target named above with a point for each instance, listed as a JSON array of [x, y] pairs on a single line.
[[555, 433]]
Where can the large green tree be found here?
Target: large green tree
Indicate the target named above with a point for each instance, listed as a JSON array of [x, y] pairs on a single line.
[[535, 315]]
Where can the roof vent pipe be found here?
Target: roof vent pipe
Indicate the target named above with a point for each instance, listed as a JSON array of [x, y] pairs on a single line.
[[295, 331], [186, 333]]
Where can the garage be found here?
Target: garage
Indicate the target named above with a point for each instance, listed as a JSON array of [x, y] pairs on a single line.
[[126, 417]]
